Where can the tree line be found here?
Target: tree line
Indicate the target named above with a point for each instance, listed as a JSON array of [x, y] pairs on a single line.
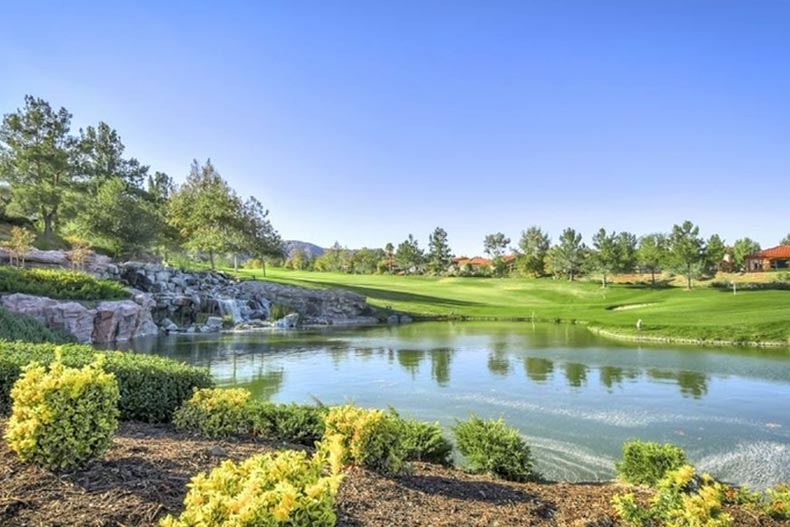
[[682, 251], [80, 188]]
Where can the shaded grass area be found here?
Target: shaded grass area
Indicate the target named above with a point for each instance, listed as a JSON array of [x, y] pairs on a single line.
[[14, 326], [702, 313]]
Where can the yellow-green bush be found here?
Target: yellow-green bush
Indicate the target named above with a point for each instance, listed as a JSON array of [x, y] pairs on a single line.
[[370, 438], [268, 490], [215, 412], [56, 283], [63, 417], [492, 447], [778, 501], [682, 500]]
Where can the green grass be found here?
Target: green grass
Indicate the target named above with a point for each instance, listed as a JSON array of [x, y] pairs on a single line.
[[14, 326], [702, 313]]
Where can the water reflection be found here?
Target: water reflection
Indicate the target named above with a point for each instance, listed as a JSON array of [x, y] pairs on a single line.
[[691, 383], [440, 365], [576, 374]]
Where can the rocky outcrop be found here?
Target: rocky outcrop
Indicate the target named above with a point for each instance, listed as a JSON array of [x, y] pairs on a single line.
[[107, 322], [97, 264]]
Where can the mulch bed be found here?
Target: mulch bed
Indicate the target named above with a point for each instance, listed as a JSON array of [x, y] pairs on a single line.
[[143, 477]]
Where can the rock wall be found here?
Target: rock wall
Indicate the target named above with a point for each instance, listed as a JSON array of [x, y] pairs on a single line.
[[97, 264], [108, 322]]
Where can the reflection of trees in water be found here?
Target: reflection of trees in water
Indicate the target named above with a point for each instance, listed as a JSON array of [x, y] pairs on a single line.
[[576, 373], [410, 360], [498, 361], [692, 383], [440, 365], [538, 369], [611, 375], [265, 384]]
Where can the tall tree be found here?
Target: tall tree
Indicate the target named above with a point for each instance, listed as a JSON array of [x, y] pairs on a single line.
[[409, 256], [605, 255], [567, 257], [741, 249], [785, 240], [119, 219], [714, 254], [389, 251], [686, 248], [534, 246], [439, 254], [255, 235], [101, 158], [206, 212], [495, 245], [652, 253], [37, 160], [626, 252]]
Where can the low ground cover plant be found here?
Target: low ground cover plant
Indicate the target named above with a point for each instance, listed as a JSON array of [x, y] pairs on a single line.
[[71, 285], [492, 447], [151, 388], [370, 438], [63, 417], [14, 326], [683, 499], [646, 462], [281, 489]]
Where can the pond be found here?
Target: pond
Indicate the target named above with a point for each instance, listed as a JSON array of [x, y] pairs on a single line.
[[574, 396]]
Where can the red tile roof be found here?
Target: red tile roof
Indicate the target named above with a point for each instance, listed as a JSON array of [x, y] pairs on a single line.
[[477, 261], [780, 251]]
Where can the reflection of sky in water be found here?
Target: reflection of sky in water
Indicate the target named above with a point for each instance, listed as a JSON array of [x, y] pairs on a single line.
[[576, 397]]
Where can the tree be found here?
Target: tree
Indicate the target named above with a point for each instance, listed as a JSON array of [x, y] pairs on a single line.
[[365, 260], [714, 254], [20, 243], [494, 245], [741, 249], [409, 256], [439, 254], [605, 254], [389, 252], [206, 212], [119, 219], [686, 248], [534, 247], [568, 255], [37, 160], [785, 240], [254, 234], [626, 252], [652, 253], [101, 158]]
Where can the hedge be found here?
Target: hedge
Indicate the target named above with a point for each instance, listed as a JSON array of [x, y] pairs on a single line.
[[70, 285], [151, 387]]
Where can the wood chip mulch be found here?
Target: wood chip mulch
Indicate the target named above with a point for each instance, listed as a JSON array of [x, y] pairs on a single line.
[[143, 477]]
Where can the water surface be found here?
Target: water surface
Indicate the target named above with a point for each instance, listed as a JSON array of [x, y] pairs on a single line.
[[574, 396]]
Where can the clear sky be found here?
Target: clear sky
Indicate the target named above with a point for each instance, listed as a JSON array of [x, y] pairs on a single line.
[[366, 121]]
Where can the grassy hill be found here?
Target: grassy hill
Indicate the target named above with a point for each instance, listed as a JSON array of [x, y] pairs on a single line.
[[702, 313]]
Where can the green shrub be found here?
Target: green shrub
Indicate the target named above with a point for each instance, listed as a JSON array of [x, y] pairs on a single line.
[[151, 387], [645, 462], [215, 412], [63, 417], [424, 441], [294, 423], [278, 311], [14, 326], [778, 502], [494, 448], [370, 438], [682, 500], [268, 490], [72, 285]]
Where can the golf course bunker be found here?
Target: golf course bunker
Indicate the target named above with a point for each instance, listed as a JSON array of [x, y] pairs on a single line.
[[626, 307]]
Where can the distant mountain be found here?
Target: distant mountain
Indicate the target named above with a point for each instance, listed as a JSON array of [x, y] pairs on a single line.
[[291, 246]]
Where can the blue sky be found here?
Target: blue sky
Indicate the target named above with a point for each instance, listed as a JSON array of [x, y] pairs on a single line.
[[366, 121]]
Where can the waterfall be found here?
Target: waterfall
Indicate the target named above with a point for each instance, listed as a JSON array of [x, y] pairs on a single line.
[[229, 307]]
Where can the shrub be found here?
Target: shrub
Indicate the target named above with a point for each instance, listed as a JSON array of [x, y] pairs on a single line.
[[72, 285], [283, 489], [215, 412], [278, 311], [682, 500], [645, 462], [494, 448], [14, 326], [63, 417], [293, 423], [370, 438], [424, 441], [151, 387], [778, 502]]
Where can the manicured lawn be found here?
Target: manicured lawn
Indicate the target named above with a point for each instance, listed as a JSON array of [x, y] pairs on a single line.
[[675, 312]]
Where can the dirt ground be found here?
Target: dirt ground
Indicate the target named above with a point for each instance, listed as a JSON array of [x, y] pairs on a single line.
[[143, 476]]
